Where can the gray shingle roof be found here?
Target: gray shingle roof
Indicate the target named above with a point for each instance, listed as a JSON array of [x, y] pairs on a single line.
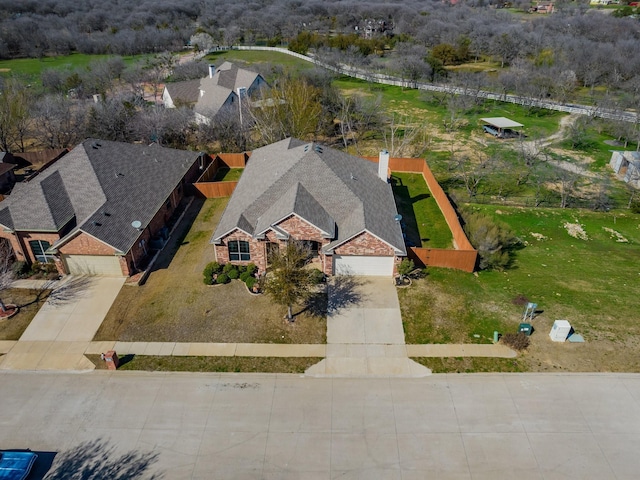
[[185, 92], [214, 97], [232, 77], [326, 187], [104, 185]]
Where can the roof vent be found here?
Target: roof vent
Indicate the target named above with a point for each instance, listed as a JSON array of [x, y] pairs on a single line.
[[317, 148], [306, 148], [97, 224], [118, 174], [353, 177], [106, 214], [96, 145]]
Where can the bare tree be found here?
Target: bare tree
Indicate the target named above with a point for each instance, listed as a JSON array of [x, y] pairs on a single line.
[[59, 122], [6, 272], [403, 135], [289, 282], [15, 101]]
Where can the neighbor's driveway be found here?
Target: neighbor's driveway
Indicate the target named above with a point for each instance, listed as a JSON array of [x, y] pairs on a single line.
[[75, 310], [62, 330]]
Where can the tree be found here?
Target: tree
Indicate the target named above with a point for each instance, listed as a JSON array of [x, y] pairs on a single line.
[[289, 109], [289, 282], [6, 270], [59, 122], [15, 101]]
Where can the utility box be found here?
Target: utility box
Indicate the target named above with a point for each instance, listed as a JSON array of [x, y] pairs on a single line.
[[525, 328], [111, 358], [560, 330]]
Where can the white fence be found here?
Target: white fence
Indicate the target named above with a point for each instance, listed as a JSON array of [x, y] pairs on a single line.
[[626, 116]]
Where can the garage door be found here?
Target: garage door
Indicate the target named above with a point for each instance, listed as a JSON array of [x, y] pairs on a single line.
[[362, 265], [107, 265]]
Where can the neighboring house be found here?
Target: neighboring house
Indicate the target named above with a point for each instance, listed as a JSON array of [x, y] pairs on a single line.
[[220, 91], [627, 166], [341, 206], [543, 7], [98, 209]]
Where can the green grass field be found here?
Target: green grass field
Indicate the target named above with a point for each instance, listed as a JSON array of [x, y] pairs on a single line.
[[257, 57], [590, 281], [425, 225], [228, 174], [31, 68]]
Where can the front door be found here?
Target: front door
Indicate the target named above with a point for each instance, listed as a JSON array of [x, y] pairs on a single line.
[[272, 249]]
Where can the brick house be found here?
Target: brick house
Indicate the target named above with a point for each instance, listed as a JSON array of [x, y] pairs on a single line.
[[341, 206], [222, 91], [99, 209]]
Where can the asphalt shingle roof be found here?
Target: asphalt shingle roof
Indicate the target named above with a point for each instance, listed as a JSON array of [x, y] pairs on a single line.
[[326, 187], [186, 92], [104, 185]]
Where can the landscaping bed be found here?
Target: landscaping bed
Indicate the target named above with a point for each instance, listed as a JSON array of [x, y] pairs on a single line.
[[174, 305]]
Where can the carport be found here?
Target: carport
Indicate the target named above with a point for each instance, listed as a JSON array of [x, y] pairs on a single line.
[[500, 127]]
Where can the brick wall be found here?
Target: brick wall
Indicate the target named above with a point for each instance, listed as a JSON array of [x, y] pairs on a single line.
[[257, 250], [300, 229], [83, 244], [365, 244]]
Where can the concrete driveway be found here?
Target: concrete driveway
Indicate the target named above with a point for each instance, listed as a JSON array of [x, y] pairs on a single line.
[[365, 336], [243, 426], [60, 332]]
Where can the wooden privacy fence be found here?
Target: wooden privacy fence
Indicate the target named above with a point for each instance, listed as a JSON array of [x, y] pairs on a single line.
[[210, 189], [462, 257]]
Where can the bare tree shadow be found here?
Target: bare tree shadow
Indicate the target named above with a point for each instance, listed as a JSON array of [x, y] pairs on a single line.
[[98, 460], [69, 290], [59, 292], [343, 292]]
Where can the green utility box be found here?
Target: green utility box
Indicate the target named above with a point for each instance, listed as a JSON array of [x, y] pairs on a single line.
[[525, 328]]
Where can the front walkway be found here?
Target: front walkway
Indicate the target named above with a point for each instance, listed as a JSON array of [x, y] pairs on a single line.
[[365, 336]]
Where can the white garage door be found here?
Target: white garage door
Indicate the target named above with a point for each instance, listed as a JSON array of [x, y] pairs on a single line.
[[362, 265], [107, 265]]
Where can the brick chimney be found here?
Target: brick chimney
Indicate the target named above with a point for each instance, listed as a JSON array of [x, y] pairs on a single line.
[[383, 165]]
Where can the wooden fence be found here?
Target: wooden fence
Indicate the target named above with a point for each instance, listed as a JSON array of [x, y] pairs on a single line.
[[462, 257], [211, 189]]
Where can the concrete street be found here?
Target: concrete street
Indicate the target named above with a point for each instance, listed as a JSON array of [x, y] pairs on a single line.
[[228, 426]]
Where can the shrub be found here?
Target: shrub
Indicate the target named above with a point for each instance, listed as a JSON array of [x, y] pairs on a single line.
[[250, 282], [20, 268], [244, 276], [228, 267], [494, 241], [233, 274], [222, 278], [242, 268], [517, 341], [209, 271], [251, 268], [406, 267], [316, 276], [635, 206]]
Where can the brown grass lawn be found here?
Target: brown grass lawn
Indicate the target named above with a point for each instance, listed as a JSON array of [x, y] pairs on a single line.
[[174, 305], [29, 302]]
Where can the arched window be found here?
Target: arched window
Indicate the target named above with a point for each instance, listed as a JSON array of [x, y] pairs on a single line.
[[39, 247]]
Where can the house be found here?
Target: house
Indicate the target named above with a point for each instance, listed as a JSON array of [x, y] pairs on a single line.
[[99, 209], [627, 166], [341, 206], [221, 91]]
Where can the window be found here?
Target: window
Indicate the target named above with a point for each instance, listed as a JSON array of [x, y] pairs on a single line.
[[239, 250], [38, 247], [312, 246]]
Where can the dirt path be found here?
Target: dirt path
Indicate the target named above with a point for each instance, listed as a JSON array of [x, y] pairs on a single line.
[[534, 148]]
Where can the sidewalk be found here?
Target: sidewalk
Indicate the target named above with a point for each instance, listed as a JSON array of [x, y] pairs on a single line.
[[41, 355]]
